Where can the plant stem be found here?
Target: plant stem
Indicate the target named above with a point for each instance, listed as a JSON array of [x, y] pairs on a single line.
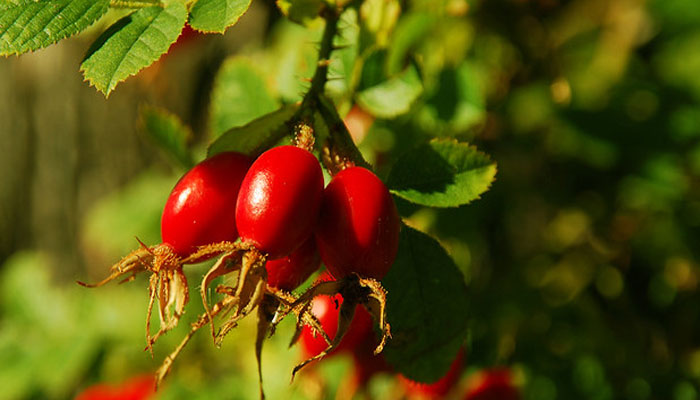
[[340, 151], [318, 82]]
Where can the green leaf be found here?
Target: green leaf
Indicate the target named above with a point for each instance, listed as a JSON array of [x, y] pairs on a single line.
[[300, 11], [410, 30], [30, 25], [442, 173], [216, 15], [168, 132], [132, 43], [292, 58], [426, 302], [392, 97], [240, 95], [456, 105], [258, 135]]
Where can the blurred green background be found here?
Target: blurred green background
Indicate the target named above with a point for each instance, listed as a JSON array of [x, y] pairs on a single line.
[[581, 261]]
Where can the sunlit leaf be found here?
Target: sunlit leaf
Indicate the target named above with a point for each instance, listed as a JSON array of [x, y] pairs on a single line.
[[393, 97], [29, 25], [216, 15], [442, 173], [131, 44]]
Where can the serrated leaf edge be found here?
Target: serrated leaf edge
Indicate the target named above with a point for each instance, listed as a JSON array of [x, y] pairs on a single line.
[[226, 27], [492, 164], [58, 39], [109, 90]]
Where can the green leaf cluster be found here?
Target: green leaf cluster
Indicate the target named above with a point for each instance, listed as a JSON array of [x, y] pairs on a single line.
[[127, 46]]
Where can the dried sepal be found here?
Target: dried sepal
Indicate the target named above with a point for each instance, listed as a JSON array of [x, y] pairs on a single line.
[[266, 311], [133, 263], [375, 303], [249, 290], [347, 312], [302, 303], [167, 284], [229, 262], [303, 313], [203, 319]]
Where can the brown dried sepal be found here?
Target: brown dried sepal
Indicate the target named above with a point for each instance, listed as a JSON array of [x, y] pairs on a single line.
[[355, 290], [167, 283], [203, 319], [304, 316]]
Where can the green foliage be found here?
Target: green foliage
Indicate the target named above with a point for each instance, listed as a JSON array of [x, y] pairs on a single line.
[[456, 104], [411, 28], [300, 11], [258, 135], [393, 97], [442, 173], [169, 133], [46, 350], [30, 25], [112, 223], [131, 44], [426, 308], [240, 95], [216, 15]]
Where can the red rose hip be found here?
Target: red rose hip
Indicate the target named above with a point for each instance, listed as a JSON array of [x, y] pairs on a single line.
[[200, 209], [327, 310], [289, 272], [358, 230], [279, 200]]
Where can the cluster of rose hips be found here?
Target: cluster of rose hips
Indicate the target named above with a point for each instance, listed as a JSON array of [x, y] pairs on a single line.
[[272, 221]]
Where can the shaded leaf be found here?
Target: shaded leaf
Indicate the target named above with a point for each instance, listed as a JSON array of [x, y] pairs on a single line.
[[427, 299], [216, 15], [131, 44], [168, 132], [442, 173], [392, 97], [31, 25], [457, 104], [240, 95], [258, 135]]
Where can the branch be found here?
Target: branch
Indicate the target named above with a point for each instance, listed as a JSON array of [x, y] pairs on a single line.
[[340, 151], [318, 82]]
